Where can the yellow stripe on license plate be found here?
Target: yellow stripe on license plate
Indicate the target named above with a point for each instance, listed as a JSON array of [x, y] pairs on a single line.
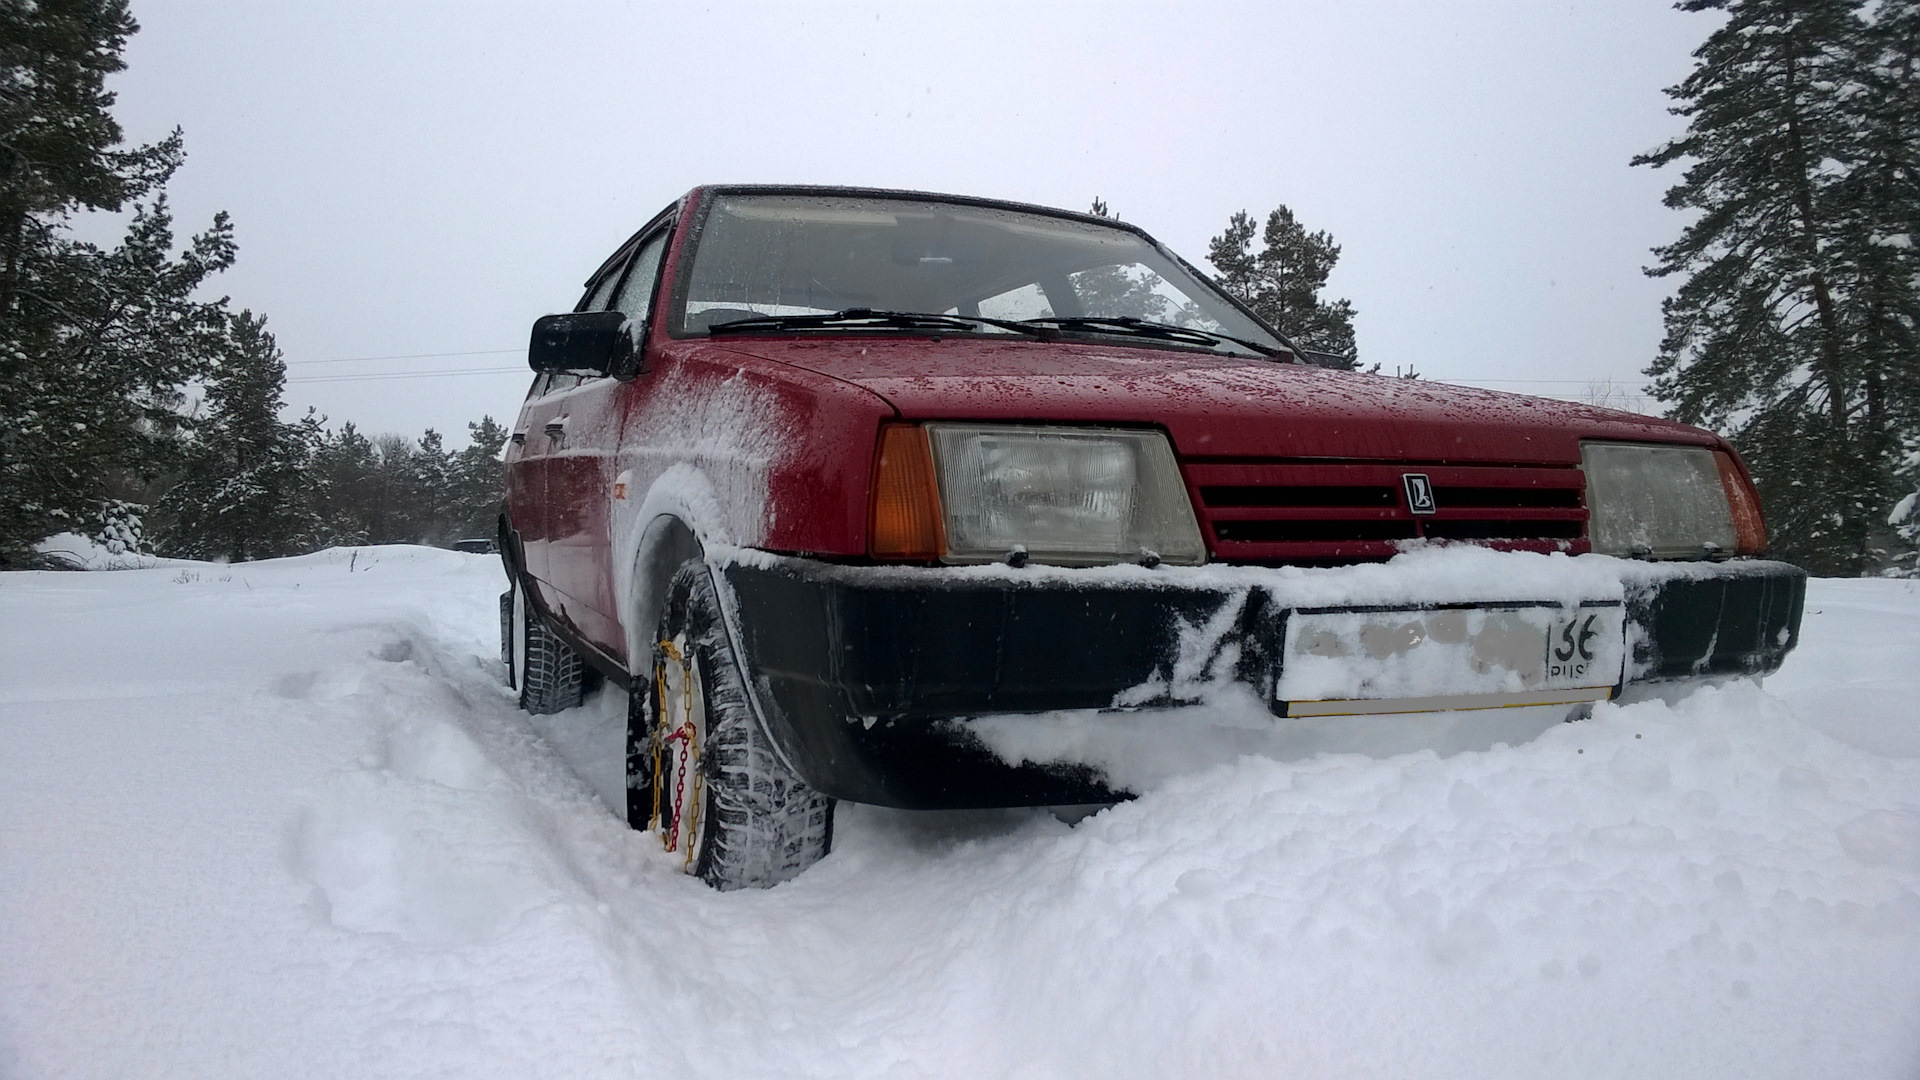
[[1449, 703]]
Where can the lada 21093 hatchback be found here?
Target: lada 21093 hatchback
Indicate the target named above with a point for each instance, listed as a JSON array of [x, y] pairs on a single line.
[[827, 477]]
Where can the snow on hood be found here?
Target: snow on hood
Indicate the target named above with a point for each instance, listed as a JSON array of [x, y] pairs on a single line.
[[1216, 405]]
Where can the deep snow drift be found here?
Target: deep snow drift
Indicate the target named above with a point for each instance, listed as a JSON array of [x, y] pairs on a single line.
[[282, 819]]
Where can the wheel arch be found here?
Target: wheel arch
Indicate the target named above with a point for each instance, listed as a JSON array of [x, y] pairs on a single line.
[[665, 543], [512, 557]]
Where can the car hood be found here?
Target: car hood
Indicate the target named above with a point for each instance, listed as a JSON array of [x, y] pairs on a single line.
[[1215, 406]]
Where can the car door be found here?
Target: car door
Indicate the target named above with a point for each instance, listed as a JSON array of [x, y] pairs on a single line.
[[580, 471], [530, 447], [526, 482]]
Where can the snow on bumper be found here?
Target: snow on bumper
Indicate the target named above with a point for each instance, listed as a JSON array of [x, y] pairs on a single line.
[[855, 668]]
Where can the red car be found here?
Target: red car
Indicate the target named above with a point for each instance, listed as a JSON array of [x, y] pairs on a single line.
[[824, 477]]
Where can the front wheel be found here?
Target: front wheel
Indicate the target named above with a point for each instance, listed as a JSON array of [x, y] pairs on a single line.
[[701, 772]]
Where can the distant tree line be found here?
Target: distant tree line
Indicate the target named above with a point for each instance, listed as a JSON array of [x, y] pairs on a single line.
[[245, 484], [253, 486], [135, 412], [139, 413]]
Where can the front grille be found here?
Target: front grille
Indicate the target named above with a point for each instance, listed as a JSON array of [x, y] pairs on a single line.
[[1246, 495], [1508, 498], [1291, 511], [1310, 532], [1502, 530]]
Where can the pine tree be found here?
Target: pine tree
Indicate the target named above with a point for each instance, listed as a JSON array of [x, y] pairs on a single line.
[[1118, 291], [95, 345], [1793, 327], [393, 490], [1282, 281], [1904, 520], [477, 481], [346, 487], [57, 136], [428, 481], [399, 516], [246, 492], [1881, 198]]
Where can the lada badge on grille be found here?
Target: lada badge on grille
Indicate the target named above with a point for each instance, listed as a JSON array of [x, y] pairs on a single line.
[[1419, 492]]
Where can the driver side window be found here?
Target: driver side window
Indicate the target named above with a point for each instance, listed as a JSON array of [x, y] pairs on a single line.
[[598, 301], [636, 292], [628, 293]]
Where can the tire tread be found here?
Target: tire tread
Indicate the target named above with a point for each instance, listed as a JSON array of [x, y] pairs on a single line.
[[764, 823], [554, 674]]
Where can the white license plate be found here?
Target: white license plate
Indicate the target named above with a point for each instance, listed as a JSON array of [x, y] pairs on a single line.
[[1452, 652]]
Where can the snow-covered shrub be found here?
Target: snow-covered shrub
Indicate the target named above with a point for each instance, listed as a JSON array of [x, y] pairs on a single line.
[[1904, 520], [122, 530]]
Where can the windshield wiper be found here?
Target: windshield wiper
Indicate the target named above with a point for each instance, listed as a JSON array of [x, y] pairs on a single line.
[[860, 318], [1127, 324]]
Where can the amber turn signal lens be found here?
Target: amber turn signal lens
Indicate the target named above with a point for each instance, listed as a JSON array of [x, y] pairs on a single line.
[[1743, 503], [906, 520]]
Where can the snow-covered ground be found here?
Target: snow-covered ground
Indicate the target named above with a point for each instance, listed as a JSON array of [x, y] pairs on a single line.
[[281, 819]]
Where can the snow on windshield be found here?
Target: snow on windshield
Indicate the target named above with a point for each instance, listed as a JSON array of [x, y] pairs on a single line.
[[797, 254]]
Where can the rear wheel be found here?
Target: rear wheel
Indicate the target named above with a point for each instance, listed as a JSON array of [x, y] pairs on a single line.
[[701, 772], [547, 671], [506, 635]]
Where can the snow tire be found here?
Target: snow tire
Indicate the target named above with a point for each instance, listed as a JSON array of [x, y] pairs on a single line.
[[506, 633], [549, 674], [754, 823]]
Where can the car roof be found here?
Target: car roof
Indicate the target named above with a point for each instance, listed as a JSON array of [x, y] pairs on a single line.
[[908, 193], [699, 193]]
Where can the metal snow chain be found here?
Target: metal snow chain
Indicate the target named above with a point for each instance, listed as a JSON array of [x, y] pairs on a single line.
[[653, 736], [684, 733]]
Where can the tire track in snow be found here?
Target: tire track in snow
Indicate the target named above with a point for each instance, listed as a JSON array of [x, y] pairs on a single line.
[[1712, 886]]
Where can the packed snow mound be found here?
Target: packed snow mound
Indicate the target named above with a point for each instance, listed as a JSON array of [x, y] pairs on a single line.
[[80, 552], [281, 818]]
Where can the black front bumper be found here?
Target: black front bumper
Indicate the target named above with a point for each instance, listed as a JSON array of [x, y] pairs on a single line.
[[858, 669]]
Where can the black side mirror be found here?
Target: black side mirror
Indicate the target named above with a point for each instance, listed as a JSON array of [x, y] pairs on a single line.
[[585, 343]]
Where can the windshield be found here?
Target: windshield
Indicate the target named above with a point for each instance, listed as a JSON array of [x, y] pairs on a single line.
[[761, 255]]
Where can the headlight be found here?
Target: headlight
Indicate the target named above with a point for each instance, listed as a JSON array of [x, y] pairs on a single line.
[[1071, 496], [1659, 501]]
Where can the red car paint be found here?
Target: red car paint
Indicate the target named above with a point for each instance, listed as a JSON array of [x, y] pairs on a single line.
[[818, 401]]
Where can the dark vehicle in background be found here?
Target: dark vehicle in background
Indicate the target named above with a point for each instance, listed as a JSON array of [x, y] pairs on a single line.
[[821, 475]]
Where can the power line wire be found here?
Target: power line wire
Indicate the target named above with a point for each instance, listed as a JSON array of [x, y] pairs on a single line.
[[406, 356], [443, 372]]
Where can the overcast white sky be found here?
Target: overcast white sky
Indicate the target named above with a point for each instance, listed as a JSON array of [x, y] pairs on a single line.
[[414, 178]]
